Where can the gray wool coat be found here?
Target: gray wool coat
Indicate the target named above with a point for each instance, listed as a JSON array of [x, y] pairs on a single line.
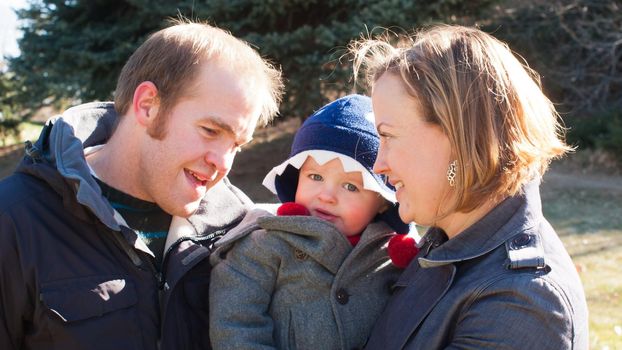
[[295, 282]]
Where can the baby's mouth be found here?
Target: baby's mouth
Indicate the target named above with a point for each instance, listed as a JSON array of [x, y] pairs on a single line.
[[322, 214]]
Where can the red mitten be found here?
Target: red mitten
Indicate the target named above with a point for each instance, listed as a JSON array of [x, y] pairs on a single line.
[[402, 249], [291, 208]]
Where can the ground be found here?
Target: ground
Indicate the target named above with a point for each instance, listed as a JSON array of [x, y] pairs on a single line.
[[582, 198]]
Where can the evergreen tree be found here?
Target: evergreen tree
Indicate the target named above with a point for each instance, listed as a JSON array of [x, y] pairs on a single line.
[[76, 48]]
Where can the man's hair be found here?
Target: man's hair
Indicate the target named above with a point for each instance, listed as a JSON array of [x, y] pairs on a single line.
[[503, 130], [172, 57]]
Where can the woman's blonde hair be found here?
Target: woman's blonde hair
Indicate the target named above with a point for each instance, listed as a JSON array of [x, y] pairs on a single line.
[[503, 130]]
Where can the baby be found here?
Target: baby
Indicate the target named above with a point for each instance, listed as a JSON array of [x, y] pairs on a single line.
[[317, 275]]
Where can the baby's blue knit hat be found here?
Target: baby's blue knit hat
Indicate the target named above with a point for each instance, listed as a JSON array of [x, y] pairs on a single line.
[[342, 129]]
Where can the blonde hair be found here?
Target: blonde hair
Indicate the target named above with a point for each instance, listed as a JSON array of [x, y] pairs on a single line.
[[171, 59], [502, 129]]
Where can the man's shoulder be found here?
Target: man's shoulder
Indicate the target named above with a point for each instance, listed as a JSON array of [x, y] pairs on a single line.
[[223, 207], [19, 188], [224, 192]]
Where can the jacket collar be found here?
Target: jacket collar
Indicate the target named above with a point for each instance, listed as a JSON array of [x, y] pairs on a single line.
[[514, 214], [61, 146], [309, 235]]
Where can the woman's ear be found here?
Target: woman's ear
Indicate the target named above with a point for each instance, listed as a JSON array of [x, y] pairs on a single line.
[[145, 103]]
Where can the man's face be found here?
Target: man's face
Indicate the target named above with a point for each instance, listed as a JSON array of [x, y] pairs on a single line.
[[204, 131]]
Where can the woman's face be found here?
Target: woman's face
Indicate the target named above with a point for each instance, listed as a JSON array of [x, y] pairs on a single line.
[[413, 153]]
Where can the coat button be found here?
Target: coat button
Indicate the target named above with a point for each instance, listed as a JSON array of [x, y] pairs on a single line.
[[299, 254], [521, 240], [342, 296]]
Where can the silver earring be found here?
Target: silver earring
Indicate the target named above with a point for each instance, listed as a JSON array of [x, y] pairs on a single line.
[[451, 174]]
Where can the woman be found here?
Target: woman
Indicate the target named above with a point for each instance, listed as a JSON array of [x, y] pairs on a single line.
[[466, 134]]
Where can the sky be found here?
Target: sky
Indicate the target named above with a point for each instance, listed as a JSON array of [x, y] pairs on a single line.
[[8, 27]]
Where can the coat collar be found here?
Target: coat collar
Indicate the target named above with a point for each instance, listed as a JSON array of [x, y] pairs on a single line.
[[514, 214], [312, 236], [61, 147], [429, 278]]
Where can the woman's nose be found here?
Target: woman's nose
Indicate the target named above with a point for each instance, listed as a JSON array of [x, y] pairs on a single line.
[[380, 165]]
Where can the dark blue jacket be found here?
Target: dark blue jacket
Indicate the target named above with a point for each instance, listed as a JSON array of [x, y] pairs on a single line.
[[506, 282], [73, 276]]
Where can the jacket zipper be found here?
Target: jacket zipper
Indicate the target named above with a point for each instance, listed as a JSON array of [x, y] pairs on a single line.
[[162, 284]]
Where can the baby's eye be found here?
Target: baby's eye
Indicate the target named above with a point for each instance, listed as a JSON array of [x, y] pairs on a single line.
[[350, 187], [315, 177]]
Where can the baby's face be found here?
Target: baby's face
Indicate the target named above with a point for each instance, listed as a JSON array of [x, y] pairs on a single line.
[[337, 196]]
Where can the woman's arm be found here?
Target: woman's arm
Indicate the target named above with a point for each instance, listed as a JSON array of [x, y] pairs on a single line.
[[523, 312]]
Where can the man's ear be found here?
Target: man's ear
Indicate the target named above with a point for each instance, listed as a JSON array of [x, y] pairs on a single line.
[[145, 103]]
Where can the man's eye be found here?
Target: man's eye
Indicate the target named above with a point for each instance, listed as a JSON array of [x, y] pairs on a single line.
[[315, 177], [350, 187], [209, 131]]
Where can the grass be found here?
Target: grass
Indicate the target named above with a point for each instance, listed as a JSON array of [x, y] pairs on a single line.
[[30, 131], [26, 131], [12, 148], [587, 215]]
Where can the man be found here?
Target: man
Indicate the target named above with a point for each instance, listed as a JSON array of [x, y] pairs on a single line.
[[104, 236]]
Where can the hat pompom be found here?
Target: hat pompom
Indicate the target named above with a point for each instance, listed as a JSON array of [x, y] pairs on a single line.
[[291, 208], [402, 249]]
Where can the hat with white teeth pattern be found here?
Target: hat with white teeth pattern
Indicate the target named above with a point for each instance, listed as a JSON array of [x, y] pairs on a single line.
[[342, 129]]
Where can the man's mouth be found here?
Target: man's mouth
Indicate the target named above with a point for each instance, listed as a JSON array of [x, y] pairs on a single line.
[[199, 179], [398, 185]]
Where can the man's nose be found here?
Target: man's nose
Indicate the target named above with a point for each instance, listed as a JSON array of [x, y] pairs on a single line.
[[221, 157]]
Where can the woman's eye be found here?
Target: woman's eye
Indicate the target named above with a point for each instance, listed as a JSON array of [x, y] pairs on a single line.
[[384, 135], [350, 187], [315, 177]]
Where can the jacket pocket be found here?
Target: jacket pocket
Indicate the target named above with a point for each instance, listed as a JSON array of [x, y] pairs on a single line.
[[93, 312], [80, 299]]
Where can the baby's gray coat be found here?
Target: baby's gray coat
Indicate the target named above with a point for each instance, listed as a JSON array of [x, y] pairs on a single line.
[[295, 282]]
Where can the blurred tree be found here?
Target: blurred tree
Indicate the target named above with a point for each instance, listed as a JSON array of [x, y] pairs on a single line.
[[76, 48], [576, 45], [9, 121], [308, 37]]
